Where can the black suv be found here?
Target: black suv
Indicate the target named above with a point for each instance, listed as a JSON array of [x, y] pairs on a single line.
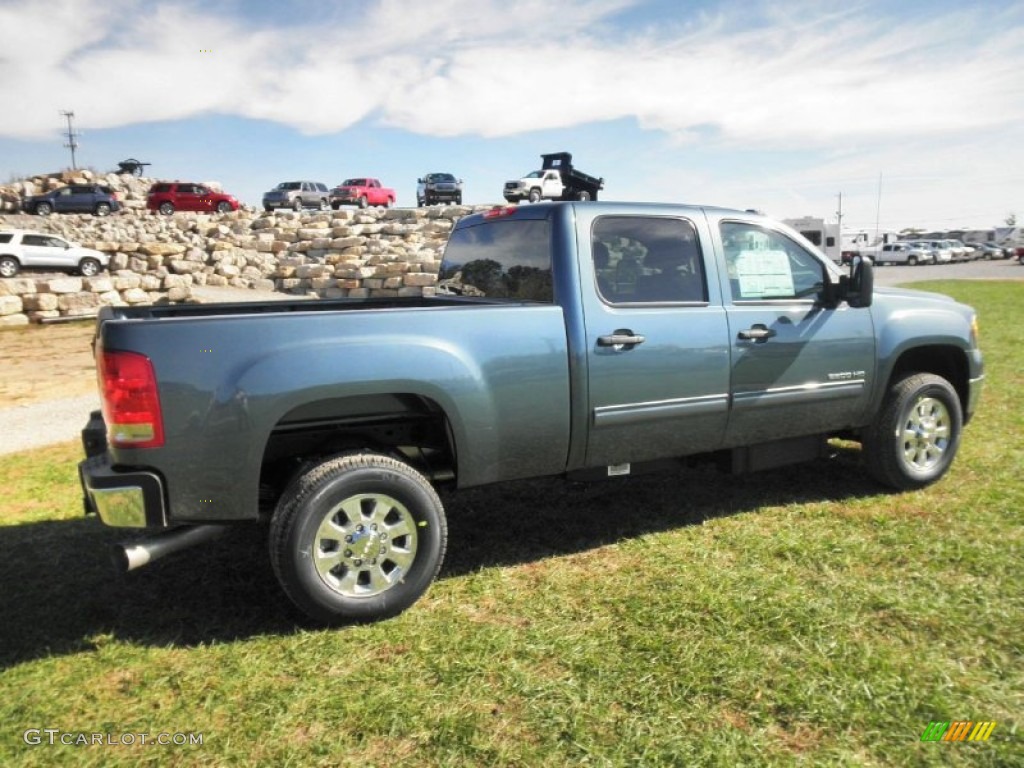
[[76, 198]]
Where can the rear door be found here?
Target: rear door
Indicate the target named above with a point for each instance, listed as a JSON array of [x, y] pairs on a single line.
[[656, 335], [799, 366]]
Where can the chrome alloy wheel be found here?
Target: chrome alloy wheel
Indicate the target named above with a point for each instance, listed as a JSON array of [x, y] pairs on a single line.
[[365, 545], [926, 434]]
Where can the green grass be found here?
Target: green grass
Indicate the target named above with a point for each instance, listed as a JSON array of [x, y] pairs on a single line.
[[795, 617]]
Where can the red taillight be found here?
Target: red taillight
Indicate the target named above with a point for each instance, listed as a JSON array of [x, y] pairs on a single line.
[[498, 211], [131, 403]]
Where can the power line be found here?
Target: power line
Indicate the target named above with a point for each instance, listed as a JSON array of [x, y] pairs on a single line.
[[72, 144]]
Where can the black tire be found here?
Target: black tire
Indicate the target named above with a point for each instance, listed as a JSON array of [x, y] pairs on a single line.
[[223, 207], [362, 201], [268, 208], [363, 574], [102, 209], [297, 204], [388, 202], [9, 266], [336, 206], [43, 209], [89, 267], [912, 261], [534, 195], [458, 200], [916, 433], [324, 205], [166, 208]]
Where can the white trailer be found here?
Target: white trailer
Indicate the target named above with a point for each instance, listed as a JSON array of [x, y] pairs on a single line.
[[822, 234]]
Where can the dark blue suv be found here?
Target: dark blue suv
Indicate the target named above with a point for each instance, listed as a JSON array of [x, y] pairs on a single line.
[[76, 198]]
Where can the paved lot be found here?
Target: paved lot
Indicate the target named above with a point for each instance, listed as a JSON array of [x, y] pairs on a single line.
[[1007, 269]]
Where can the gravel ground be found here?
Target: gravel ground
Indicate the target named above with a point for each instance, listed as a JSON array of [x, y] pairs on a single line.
[[55, 421]]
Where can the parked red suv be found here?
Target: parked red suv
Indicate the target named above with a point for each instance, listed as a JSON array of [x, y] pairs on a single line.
[[170, 196]]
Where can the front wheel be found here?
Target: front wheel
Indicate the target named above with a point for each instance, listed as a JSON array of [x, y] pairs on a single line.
[[912, 261], [223, 207], [362, 201], [359, 537], [916, 433], [89, 267], [534, 195], [9, 266]]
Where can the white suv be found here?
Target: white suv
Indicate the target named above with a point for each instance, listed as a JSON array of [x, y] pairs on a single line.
[[20, 249]]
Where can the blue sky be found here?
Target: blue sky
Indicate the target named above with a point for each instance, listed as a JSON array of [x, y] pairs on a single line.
[[773, 105]]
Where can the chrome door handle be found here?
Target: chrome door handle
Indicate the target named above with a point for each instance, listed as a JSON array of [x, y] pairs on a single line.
[[759, 333]]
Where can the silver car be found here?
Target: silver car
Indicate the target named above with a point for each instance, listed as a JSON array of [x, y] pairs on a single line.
[[910, 254], [941, 254], [297, 195]]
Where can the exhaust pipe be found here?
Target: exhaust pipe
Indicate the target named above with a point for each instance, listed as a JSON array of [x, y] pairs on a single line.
[[130, 555]]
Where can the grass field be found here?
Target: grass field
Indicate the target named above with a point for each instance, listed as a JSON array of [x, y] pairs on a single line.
[[800, 616]]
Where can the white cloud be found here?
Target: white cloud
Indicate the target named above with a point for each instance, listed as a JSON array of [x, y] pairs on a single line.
[[482, 68]]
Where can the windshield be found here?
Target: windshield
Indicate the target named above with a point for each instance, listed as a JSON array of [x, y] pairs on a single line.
[[288, 185], [353, 183], [534, 175], [440, 177]]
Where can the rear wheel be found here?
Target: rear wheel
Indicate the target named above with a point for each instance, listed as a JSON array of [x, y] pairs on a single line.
[[583, 196], [102, 209], [359, 537], [9, 266], [166, 208], [916, 434], [43, 209], [324, 205]]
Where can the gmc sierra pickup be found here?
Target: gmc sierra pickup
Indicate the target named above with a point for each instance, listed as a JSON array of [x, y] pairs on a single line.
[[565, 339]]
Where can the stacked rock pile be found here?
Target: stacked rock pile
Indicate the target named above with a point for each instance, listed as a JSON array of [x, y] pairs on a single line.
[[157, 259]]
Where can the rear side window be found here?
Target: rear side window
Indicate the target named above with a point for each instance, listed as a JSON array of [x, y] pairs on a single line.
[[160, 188], [5, 237], [500, 260], [647, 260]]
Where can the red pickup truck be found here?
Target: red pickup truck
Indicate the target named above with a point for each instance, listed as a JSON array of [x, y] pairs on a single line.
[[361, 192]]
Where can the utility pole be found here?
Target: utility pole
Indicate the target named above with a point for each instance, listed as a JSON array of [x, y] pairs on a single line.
[[72, 144]]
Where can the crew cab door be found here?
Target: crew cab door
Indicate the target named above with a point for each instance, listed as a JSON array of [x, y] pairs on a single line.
[[799, 365], [657, 338]]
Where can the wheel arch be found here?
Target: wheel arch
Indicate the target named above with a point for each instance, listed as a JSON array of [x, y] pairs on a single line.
[[409, 426], [945, 360]]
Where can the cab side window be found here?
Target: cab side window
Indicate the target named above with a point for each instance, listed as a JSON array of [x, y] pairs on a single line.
[[765, 265], [647, 260]]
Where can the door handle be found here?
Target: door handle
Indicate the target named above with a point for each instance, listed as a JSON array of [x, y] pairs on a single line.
[[621, 339], [758, 334]]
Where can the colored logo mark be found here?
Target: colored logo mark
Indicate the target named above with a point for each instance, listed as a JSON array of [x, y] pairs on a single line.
[[958, 730]]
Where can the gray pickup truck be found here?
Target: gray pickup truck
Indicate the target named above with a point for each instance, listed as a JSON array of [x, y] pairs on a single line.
[[582, 340]]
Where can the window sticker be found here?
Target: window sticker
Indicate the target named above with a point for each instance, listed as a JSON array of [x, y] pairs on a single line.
[[764, 273]]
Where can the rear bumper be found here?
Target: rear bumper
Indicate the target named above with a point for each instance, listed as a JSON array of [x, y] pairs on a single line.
[[122, 498]]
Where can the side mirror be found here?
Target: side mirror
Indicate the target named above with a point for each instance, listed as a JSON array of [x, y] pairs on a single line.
[[858, 289]]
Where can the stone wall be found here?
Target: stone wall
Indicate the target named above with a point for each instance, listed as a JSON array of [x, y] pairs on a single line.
[[158, 259]]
